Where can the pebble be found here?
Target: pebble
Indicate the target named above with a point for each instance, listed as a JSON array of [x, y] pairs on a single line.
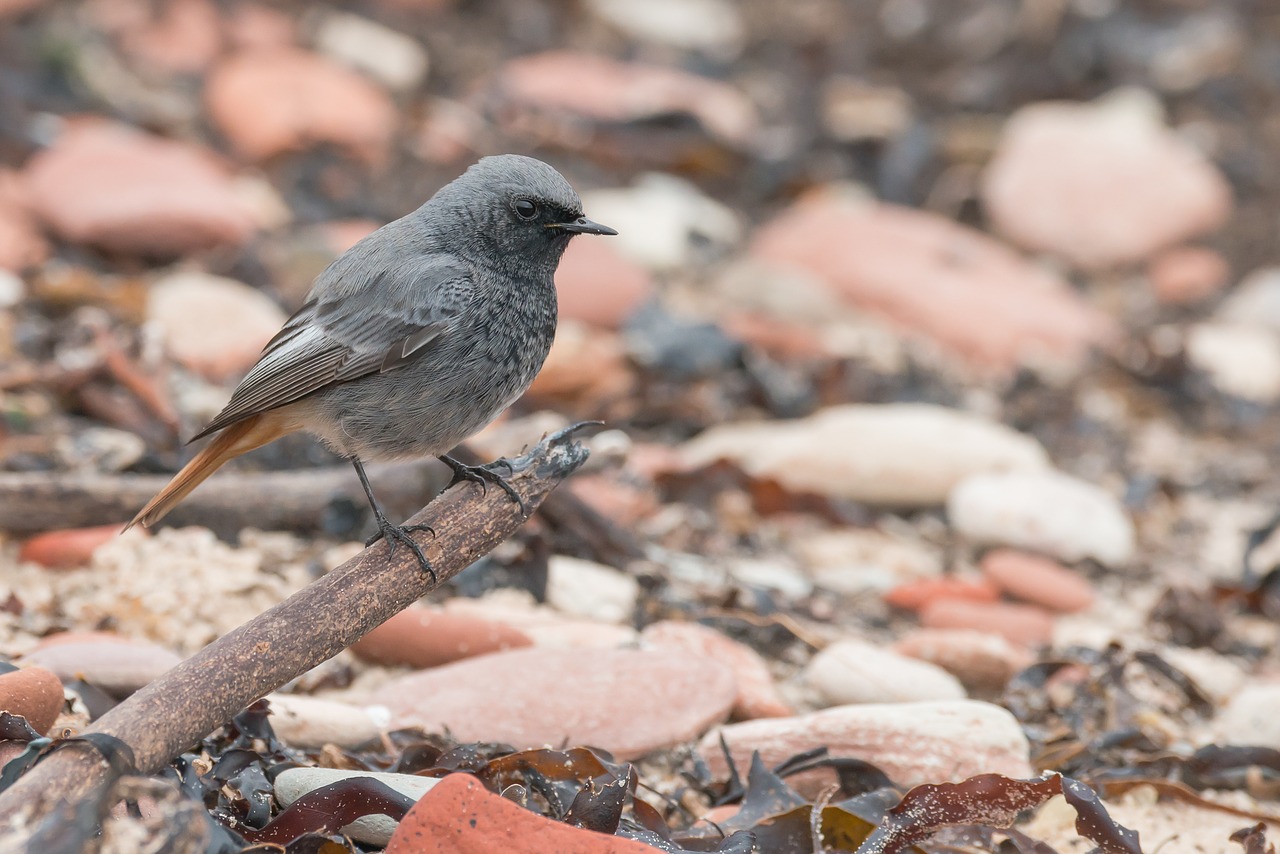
[[327, 103], [609, 91], [310, 722], [461, 816], [1101, 184], [1038, 580], [664, 223], [981, 660], [34, 693], [293, 783], [1241, 360], [429, 636], [1255, 301], [626, 701], [883, 454], [1249, 717], [757, 696], [211, 325], [1187, 274], [712, 27], [596, 284], [111, 186], [395, 59], [1026, 625], [69, 548], [582, 588], [934, 278], [546, 627], [1044, 511], [116, 664], [853, 671], [916, 595], [913, 743], [852, 561]]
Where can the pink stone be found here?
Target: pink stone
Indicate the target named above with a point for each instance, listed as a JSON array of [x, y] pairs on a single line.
[[34, 693], [980, 660], [177, 36], [427, 637], [108, 185], [1038, 580], [757, 697], [609, 91], [115, 664], [1100, 184], [598, 285], [269, 101], [627, 701], [1187, 274], [1020, 624], [928, 742], [934, 278], [460, 816], [916, 595], [70, 548]]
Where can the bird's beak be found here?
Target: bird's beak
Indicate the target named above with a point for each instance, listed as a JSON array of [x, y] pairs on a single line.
[[582, 225]]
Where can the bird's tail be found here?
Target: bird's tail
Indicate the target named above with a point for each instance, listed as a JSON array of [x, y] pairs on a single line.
[[237, 439]]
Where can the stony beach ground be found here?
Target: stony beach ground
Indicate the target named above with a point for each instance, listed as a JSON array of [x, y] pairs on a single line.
[[938, 358]]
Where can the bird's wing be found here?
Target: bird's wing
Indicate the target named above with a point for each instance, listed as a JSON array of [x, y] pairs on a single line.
[[345, 332]]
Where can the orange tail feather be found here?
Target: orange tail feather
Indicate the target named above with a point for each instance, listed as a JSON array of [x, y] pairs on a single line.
[[237, 439]]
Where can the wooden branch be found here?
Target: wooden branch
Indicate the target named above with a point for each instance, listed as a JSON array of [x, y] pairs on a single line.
[[304, 500], [179, 708]]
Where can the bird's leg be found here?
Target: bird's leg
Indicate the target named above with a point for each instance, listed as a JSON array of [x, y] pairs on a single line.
[[483, 475], [393, 533]]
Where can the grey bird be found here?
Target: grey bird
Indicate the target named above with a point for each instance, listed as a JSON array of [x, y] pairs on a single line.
[[413, 339]]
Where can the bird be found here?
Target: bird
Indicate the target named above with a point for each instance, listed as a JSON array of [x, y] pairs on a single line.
[[413, 339]]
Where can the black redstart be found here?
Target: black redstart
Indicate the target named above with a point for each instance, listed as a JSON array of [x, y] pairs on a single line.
[[414, 338]]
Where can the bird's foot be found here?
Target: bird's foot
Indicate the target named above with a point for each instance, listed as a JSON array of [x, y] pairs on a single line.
[[484, 475], [395, 534]]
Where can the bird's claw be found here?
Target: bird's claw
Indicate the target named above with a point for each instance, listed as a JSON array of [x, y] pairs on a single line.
[[484, 475], [395, 534]]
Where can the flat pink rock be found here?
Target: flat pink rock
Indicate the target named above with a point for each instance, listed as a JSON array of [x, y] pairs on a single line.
[[271, 100], [933, 277], [626, 701], [109, 185], [460, 816]]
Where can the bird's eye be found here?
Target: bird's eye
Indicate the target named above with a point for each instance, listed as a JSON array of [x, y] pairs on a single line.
[[526, 209]]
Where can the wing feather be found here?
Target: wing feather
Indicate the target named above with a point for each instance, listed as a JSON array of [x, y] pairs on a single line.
[[335, 338]]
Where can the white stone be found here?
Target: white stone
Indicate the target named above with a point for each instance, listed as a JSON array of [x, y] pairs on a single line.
[[911, 742], [709, 26], [390, 56], [1250, 717], [1046, 511], [853, 561], [853, 671], [1101, 184], [661, 219], [585, 589], [884, 454], [293, 783], [1241, 360], [1255, 301], [211, 324], [302, 721], [771, 575], [12, 289]]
